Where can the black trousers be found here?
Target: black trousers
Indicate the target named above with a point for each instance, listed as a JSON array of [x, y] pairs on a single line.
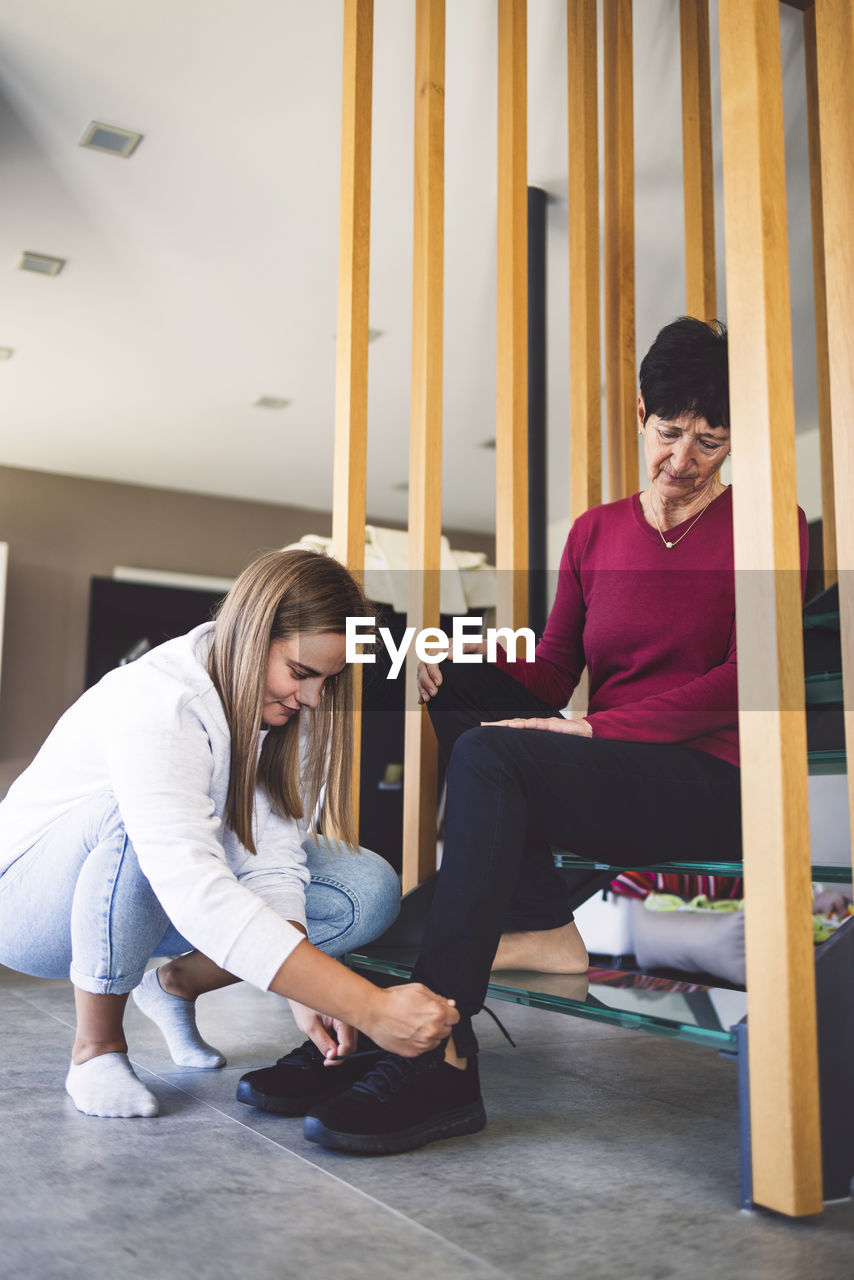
[[513, 794]]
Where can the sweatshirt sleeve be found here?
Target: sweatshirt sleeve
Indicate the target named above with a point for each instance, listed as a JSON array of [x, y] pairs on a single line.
[[277, 873], [161, 770], [559, 656]]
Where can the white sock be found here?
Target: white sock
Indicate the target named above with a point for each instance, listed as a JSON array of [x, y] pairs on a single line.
[[107, 1086], [176, 1018]]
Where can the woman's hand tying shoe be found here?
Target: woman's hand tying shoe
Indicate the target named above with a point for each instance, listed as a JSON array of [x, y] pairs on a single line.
[[410, 1019], [333, 1038]]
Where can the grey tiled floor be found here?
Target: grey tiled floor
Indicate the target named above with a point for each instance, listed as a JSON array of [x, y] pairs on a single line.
[[608, 1154]]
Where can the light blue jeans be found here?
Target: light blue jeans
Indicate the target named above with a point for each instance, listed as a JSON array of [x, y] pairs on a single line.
[[77, 904]]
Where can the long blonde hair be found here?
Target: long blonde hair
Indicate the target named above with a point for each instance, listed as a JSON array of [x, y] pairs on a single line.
[[275, 598]]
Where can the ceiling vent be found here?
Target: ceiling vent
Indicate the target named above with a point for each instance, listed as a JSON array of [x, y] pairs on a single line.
[[111, 140], [270, 402], [41, 263], [6, 353]]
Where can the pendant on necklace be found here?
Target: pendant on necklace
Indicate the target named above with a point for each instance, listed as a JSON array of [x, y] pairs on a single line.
[[668, 545]]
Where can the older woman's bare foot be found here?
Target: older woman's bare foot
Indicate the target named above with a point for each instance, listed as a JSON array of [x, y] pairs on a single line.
[[544, 950]]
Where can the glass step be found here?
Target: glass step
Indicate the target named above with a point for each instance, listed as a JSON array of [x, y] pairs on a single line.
[[822, 763], [840, 874], [688, 1011], [824, 686]]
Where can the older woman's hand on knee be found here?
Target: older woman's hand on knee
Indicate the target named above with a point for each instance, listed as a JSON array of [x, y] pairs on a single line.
[[579, 727]]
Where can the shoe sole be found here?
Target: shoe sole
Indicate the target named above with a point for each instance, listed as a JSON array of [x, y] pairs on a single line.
[[453, 1124]]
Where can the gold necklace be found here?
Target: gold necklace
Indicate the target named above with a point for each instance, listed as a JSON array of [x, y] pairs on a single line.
[[671, 545]]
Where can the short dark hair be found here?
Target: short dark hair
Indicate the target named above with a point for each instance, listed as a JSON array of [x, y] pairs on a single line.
[[685, 371]]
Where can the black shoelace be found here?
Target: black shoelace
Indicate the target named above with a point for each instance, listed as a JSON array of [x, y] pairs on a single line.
[[392, 1071], [499, 1024], [307, 1056]]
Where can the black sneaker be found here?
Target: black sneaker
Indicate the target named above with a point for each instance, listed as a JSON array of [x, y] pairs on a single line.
[[402, 1103], [299, 1079]]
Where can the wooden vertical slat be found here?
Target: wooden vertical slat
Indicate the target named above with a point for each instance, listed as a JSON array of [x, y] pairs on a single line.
[[835, 45], [585, 370], [780, 975], [425, 450], [828, 502], [351, 384], [351, 380], [620, 374], [511, 461], [697, 160]]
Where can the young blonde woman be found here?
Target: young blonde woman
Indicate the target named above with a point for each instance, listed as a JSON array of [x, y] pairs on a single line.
[[170, 813]]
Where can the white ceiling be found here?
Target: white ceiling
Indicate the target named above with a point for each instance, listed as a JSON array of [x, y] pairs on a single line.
[[202, 272]]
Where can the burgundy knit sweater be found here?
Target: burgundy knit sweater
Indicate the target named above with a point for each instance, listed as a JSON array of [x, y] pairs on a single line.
[[654, 627]]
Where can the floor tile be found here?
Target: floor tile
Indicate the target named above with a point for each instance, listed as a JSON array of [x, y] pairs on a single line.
[[607, 1154]]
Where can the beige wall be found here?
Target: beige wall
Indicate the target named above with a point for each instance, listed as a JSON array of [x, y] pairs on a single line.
[[62, 531]]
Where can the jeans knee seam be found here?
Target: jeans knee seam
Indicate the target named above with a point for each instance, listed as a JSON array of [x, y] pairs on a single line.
[[350, 895]]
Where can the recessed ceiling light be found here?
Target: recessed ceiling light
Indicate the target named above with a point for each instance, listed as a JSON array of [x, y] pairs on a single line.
[[111, 140], [270, 402], [41, 263], [6, 353]]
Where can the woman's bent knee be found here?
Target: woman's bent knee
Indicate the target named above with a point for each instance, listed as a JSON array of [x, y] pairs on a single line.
[[480, 748], [384, 891], [352, 897]]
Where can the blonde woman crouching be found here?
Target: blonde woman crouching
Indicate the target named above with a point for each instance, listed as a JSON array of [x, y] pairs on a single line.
[[170, 811]]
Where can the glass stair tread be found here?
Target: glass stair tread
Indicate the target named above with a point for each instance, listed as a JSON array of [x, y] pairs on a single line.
[[823, 686], [821, 874], [683, 1010], [822, 763]]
